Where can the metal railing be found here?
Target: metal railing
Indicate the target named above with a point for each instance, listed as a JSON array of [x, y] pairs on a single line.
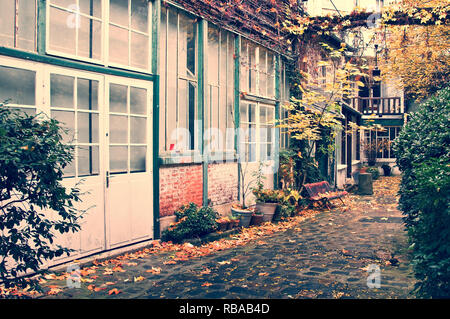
[[378, 105]]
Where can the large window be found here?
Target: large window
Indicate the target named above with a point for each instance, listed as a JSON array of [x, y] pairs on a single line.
[[178, 95], [18, 88], [257, 129], [129, 30], [284, 98], [18, 24], [257, 70], [75, 28], [219, 115], [111, 32], [128, 113], [385, 137], [74, 101]]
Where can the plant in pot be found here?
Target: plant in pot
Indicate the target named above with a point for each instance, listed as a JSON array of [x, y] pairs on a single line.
[[223, 223], [387, 170], [240, 210], [266, 202]]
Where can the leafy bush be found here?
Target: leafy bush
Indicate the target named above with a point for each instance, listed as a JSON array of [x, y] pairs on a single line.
[[192, 222], [374, 171], [32, 159], [266, 195], [423, 156]]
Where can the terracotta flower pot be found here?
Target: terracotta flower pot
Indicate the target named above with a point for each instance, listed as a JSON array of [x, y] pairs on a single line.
[[257, 219]]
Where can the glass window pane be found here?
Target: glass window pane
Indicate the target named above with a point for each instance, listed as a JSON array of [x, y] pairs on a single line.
[[87, 94], [138, 127], [69, 170], [138, 101], [187, 46], [139, 50], [243, 113], [26, 32], [118, 159], [118, 129], [138, 158], [88, 160], [89, 38], [7, 23], [262, 115], [67, 120], [139, 15], [87, 127], [17, 85], [118, 12], [91, 7], [118, 45], [118, 98], [61, 91], [213, 55], [62, 33]]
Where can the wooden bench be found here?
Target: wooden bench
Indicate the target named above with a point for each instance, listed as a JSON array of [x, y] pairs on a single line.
[[321, 192]]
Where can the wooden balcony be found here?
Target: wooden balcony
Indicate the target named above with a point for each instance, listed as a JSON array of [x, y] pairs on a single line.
[[378, 105]]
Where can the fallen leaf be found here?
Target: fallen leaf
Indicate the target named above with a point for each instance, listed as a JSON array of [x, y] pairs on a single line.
[[263, 274], [114, 291], [226, 262], [137, 279], [206, 284]]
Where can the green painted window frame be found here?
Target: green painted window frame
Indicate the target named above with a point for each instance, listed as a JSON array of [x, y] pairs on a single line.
[[191, 80]]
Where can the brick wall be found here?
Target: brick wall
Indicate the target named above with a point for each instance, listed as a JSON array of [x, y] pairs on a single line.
[[179, 185], [222, 183]]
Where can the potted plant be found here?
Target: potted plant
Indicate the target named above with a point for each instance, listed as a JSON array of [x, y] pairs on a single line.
[[257, 218], [234, 222], [387, 170], [266, 202], [223, 223]]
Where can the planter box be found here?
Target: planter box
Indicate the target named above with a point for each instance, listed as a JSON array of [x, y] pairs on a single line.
[[268, 209], [245, 216]]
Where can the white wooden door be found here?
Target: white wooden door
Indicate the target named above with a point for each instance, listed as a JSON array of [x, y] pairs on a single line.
[[76, 100], [129, 186]]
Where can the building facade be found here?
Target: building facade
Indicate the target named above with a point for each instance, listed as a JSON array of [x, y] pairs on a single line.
[[165, 101]]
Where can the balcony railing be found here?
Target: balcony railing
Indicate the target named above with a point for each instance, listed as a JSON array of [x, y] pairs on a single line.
[[378, 105]]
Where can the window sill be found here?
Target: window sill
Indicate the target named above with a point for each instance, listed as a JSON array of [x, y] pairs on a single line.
[[341, 167], [195, 157]]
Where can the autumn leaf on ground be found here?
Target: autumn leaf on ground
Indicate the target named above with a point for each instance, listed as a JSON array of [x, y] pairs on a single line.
[[137, 279], [54, 291], [109, 283], [206, 271], [263, 274], [225, 262], [50, 276], [154, 270], [206, 284], [114, 291], [170, 262]]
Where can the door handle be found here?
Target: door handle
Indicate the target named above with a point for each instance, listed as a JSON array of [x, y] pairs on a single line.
[[107, 179]]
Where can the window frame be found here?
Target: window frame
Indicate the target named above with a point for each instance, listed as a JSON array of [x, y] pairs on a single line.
[[165, 145], [228, 87], [105, 40], [15, 26], [256, 67], [257, 138]]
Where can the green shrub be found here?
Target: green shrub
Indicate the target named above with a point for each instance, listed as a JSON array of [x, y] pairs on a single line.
[[423, 156], [374, 171], [192, 222], [32, 159]]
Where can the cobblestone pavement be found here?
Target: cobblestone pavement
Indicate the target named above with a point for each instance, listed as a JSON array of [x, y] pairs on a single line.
[[326, 256]]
